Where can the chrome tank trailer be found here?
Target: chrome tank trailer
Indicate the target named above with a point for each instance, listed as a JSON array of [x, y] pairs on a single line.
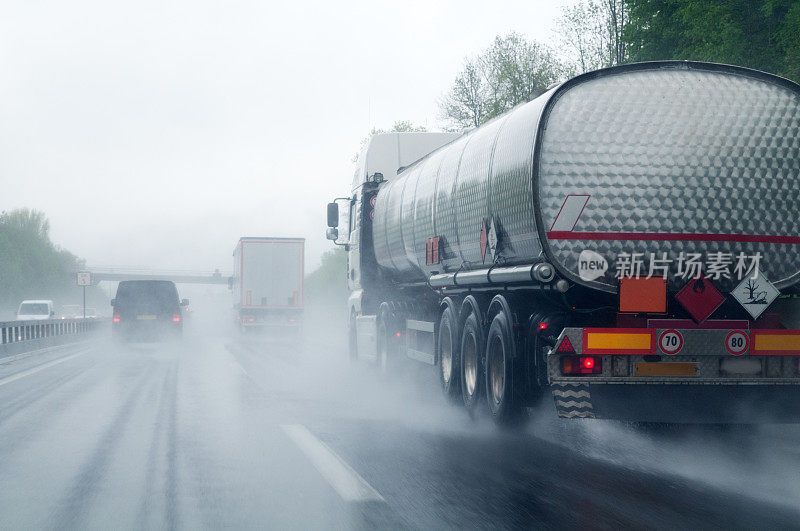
[[666, 157]]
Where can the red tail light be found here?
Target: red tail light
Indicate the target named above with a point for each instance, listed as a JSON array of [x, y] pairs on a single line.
[[581, 365], [542, 326], [115, 318], [252, 320], [176, 318]]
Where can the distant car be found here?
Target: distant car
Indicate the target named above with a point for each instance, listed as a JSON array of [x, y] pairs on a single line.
[[147, 310], [35, 310], [91, 313]]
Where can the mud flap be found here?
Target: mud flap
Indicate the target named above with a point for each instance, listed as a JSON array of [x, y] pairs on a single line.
[[573, 400], [367, 337]]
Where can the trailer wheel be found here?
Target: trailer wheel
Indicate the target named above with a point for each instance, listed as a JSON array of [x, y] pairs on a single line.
[[499, 390], [449, 354], [472, 346]]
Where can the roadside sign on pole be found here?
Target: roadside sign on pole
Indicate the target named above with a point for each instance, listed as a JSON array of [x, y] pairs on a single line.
[[84, 278]]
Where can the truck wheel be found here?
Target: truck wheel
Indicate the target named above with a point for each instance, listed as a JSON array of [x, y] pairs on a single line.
[[449, 354], [499, 391], [472, 345]]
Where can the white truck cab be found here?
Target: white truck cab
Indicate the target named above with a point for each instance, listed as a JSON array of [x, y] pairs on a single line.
[[35, 310]]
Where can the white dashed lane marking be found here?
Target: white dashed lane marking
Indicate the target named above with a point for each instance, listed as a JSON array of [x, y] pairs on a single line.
[[43, 366], [341, 476]]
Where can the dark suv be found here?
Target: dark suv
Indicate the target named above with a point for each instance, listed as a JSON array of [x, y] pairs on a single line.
[[147, 309]]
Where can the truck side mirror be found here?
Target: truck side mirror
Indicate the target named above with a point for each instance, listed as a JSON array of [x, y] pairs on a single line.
[[332, 233], [333, 215]]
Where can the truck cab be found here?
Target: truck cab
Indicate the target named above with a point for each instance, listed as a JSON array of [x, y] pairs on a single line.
[[350, 218]]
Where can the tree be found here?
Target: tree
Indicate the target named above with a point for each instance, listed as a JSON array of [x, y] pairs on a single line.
[[591, 33], [466, 104], [403, 126], [29, 221], [329, 281], [31, 266], [511, 71], [760, 34], [615, 23]]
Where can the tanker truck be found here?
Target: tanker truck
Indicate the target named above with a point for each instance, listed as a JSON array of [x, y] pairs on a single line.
[[627, 244]]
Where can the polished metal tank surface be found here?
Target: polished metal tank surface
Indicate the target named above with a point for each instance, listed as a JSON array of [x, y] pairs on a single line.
[[665, 157]]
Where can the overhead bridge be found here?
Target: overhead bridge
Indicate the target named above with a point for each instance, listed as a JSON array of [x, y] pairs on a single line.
[[179, 277]]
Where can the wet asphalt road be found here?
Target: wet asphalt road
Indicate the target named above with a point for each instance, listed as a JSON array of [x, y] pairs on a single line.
[[227, 431]]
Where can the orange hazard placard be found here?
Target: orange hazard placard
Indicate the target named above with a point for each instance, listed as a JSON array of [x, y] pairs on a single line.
[[648, 295]]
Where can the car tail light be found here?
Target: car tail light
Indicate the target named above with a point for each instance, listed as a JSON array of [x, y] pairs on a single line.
[[581, 365], [176, 318], [252, 320], [116, 317]]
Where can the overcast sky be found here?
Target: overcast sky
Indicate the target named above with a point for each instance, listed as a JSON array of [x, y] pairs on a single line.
[[155, 134]]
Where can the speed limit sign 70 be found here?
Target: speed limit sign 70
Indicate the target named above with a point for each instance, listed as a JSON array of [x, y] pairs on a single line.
[[671, 342], [737, 342]]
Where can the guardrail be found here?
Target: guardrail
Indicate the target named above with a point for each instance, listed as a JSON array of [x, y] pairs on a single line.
[[20, 331]]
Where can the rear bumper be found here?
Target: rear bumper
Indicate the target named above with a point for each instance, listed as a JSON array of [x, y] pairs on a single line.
[[270, 318], [146, 330], [753, 401]]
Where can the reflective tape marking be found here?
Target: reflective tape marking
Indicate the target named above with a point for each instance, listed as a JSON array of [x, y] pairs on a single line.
[[670, 237], [618, 341], [775, 342]]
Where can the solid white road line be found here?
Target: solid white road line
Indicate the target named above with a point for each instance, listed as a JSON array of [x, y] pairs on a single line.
[[341, 476], [43, 366]]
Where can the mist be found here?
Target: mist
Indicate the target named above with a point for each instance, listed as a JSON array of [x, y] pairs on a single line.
[[155, 135]]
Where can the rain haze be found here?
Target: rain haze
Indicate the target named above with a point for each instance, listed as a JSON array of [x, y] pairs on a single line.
[[156, 134], [400, 265]]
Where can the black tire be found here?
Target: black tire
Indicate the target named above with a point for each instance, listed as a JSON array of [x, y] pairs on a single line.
[[352, 339], [449, 355], [503, 405], [472, 351]]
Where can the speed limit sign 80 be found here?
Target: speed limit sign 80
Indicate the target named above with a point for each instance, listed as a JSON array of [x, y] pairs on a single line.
[[737, 342]]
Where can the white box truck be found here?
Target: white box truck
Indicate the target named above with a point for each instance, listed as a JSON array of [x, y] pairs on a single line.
[[268, 282]]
